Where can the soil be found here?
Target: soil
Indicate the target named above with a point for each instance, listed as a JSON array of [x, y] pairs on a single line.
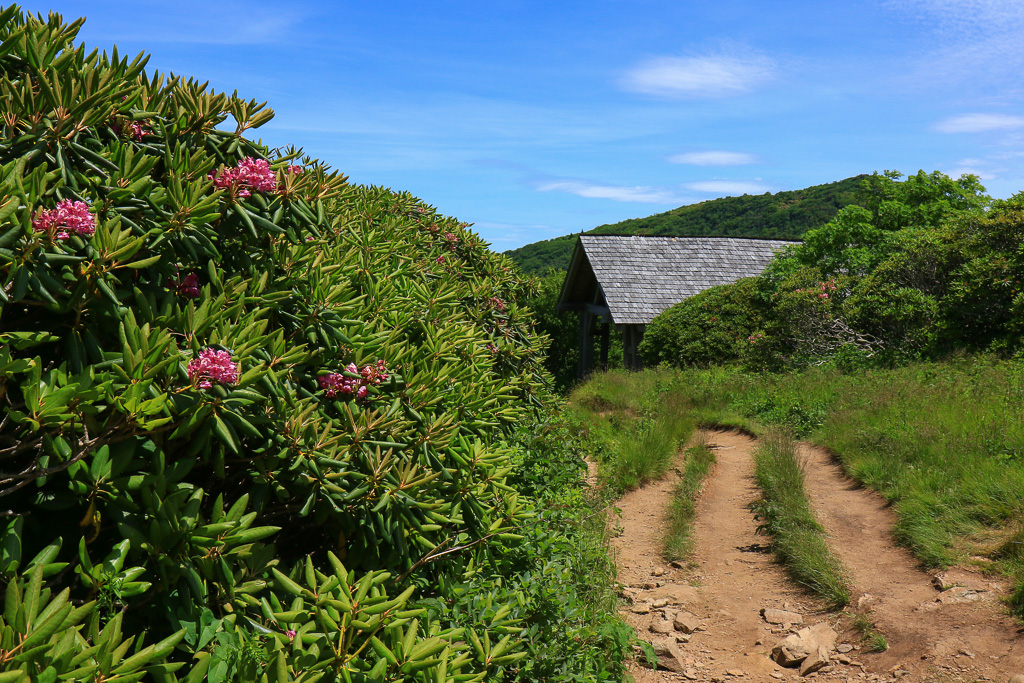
[[961, 633]]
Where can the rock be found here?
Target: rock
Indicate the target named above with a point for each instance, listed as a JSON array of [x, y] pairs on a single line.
[[1016, 678], [658, 571], [781, 616], [676, 564], [842, 659], [691, 674], [669, 656], [795, 648], [686, 622], [736, 672], [844, 648], [682, 638], [640, 609], [815, 661], [659, 603], [662, 626], [943, 582], [777, 675], [864, 600]]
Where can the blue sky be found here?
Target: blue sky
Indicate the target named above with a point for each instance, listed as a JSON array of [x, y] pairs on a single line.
[[538, 119]]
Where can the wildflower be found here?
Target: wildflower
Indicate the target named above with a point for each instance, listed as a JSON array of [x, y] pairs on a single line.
[[497, 303], [250, 174], [492, 348], [291, 635], [295, 170], [187, 287], [212, 365], [452, 240], [335, 383], [66, 218], [440, 259]]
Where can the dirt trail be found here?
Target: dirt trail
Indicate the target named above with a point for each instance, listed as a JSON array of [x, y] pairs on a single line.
[[928, 631], [956, 635]]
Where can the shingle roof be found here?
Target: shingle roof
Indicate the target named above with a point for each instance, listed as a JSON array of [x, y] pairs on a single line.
[[641, 276]]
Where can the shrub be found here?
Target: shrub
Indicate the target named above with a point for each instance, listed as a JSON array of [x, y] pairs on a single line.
[[253, 414]]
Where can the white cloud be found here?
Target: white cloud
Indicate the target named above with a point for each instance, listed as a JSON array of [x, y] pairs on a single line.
[[979, 123], [728, 187], [618, 193], [713, 158], [709, 76]]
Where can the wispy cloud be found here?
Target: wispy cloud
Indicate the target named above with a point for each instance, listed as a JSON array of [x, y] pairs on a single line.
[[977, 41], [979, 123], [713, 158], [705, 76], [728, 187], [618, 193]]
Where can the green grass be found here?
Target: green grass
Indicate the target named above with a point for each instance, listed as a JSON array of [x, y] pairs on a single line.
[[683, 512], [637, 423], [869, 633], [798, 541]]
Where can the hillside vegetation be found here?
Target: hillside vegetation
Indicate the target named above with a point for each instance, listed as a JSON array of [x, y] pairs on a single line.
[[260, 424], [928, 266], [783, 215]]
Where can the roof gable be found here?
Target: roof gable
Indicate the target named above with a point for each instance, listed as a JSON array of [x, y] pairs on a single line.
[[640, 276]]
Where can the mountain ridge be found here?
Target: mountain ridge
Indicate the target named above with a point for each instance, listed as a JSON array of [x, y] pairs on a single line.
[[782, 215]]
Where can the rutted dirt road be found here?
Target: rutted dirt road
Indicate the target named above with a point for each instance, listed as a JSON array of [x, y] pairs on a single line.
[[959, 634]]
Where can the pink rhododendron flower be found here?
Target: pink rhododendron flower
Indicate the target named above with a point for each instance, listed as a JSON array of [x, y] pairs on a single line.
[[212, 365], [497, 303], [440, 259], [295, 170], [250, 174], [187, 287], [66, 218], [335, 383], [291, 634]]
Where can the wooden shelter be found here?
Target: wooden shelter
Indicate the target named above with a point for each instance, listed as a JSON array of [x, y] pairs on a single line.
[[627, 280]]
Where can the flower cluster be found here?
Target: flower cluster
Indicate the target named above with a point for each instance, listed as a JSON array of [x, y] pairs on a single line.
[[187, 286], [492, 348], [823, 290], [453, 241], [66, 219], [370, 375], [497, 303], [295, 170], [250, 174], [753, 339], [212, 365], [136, 130]]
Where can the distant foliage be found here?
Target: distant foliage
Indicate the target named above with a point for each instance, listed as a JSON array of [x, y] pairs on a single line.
[[783, 215], [712, 327], [258, 424], [920, 268]]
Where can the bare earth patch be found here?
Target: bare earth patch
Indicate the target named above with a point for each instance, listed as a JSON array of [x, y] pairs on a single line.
[[706, 617]]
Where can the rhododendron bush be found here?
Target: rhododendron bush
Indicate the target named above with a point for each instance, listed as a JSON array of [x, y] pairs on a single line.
[[254, 417]]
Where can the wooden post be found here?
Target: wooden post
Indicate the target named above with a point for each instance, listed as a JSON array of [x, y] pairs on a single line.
[[632, 334], [605, 331], [586, 363]]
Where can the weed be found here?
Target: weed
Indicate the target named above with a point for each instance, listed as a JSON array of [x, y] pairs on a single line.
[[869, 633]]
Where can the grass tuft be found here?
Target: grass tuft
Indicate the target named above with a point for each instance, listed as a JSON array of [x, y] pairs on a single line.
[[678, 539], [798, 540]]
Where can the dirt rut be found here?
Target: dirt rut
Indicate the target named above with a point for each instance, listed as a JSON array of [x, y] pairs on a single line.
[[956, 635]]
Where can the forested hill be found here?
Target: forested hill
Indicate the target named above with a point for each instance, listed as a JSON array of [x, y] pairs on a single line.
[[783, 215]]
